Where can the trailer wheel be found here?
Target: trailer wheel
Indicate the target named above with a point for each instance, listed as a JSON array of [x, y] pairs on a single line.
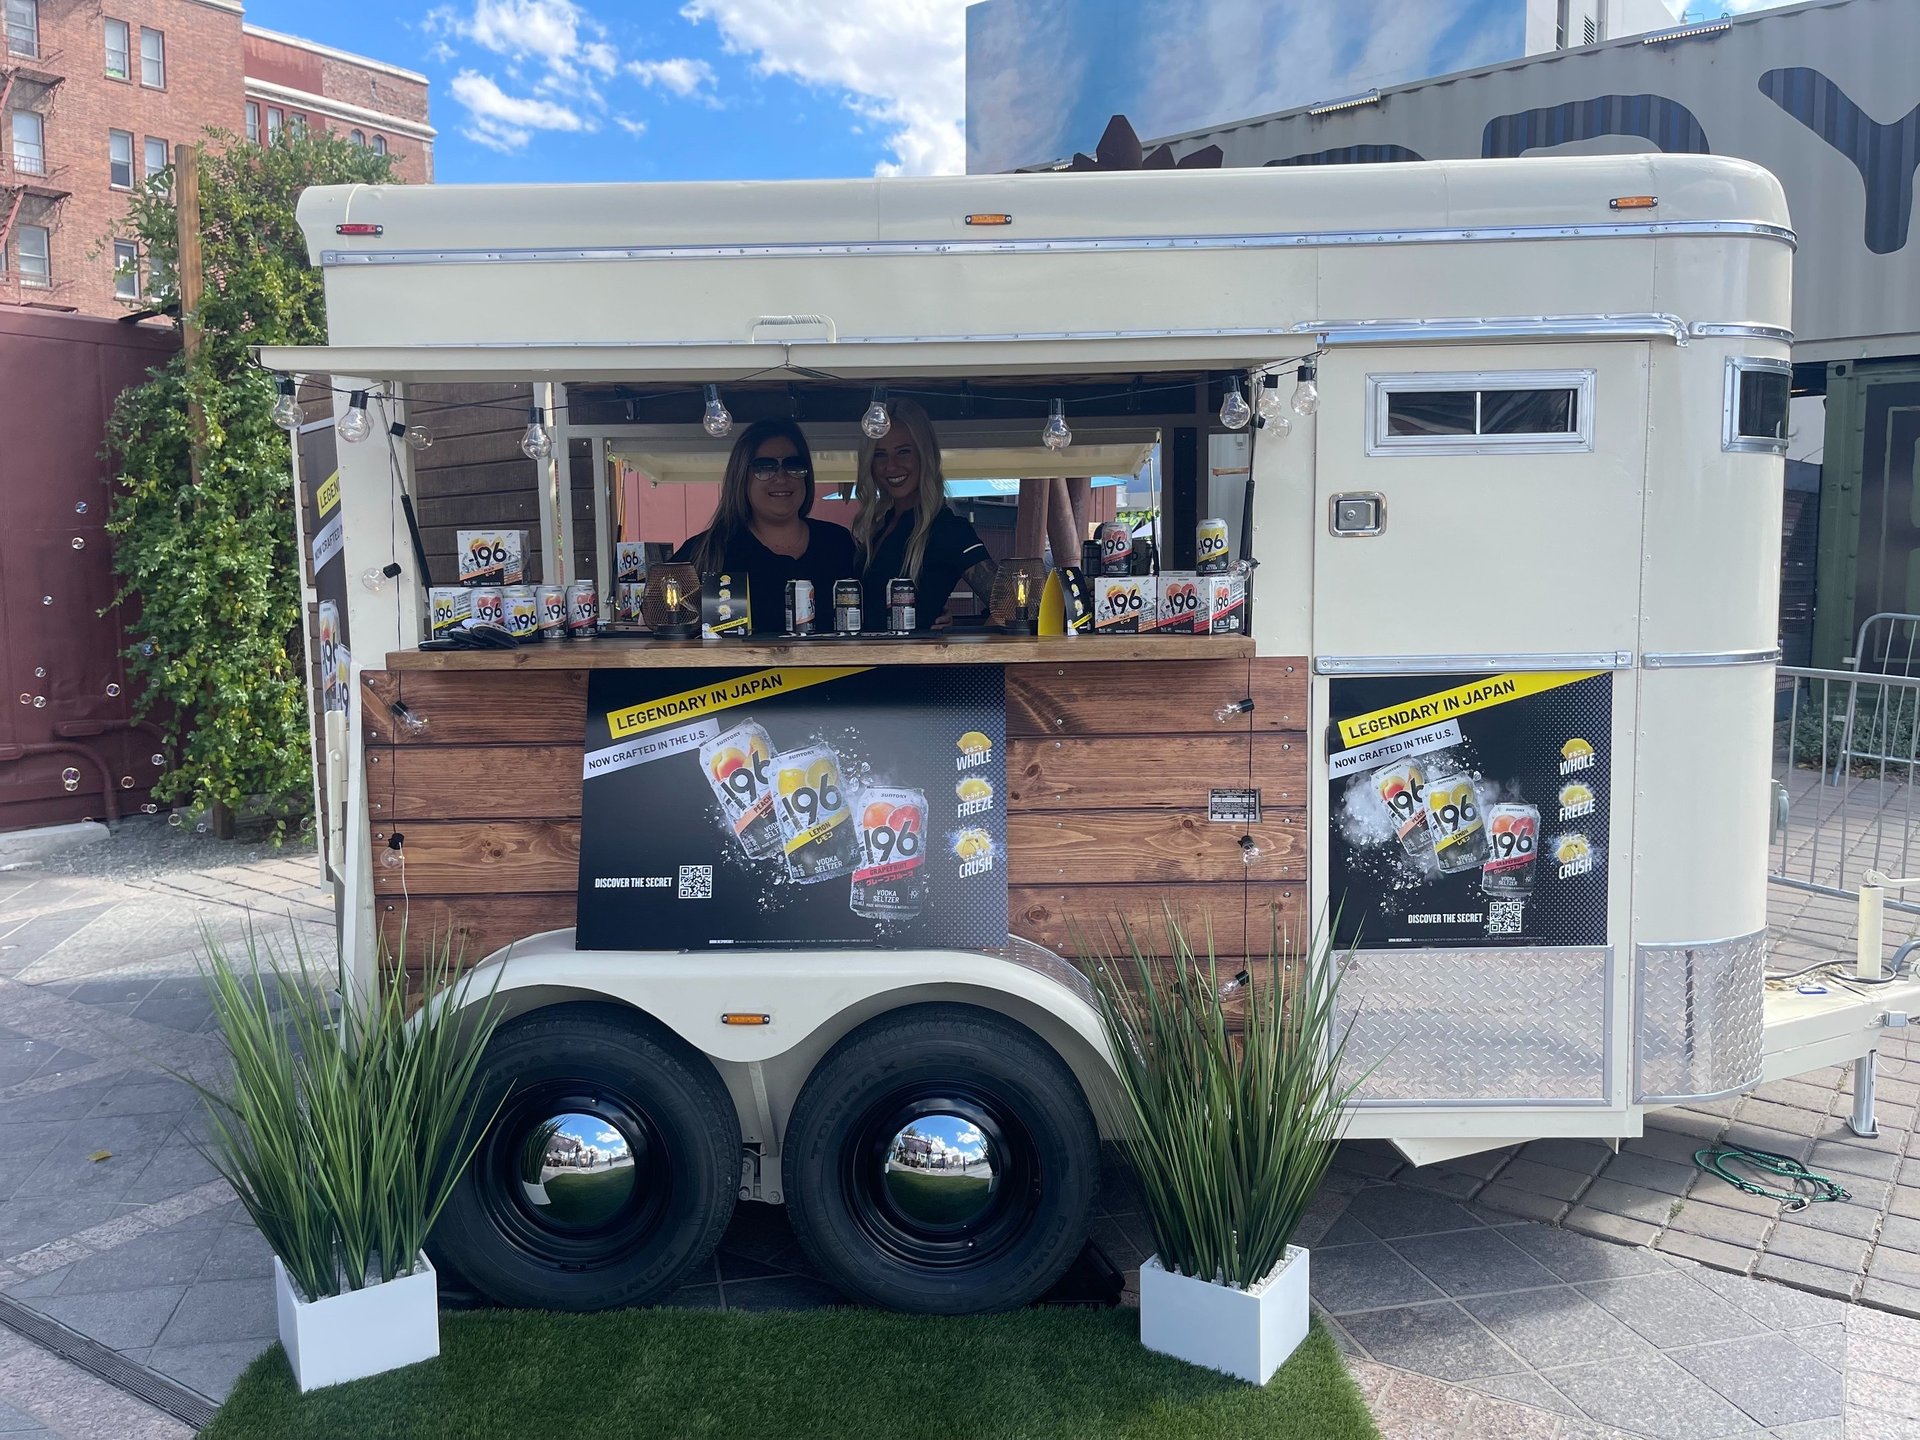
[[942, 1159], [609, 1172]]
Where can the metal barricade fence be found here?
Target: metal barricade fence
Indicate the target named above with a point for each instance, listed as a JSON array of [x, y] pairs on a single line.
[[1887, 644], [1845, 753]]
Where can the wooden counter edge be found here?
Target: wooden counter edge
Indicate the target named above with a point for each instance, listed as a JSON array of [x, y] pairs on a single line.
[[642, 653]]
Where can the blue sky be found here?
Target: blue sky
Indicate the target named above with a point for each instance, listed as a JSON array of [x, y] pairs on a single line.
[[676, 89]]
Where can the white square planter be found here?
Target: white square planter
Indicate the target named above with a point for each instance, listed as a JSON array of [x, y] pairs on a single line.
[[362, 1332], [1246, 1333]]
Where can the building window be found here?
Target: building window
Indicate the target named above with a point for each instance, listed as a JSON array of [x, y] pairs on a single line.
[[29, 143], [119, 51], [1480, 414], [379, 144], [153, 59], [253, 122], [23, 28], [153, 159], [297, 123], [120, 159], [35, 267], [126, 270], [359, 137], [1759, 393], [276, 117]]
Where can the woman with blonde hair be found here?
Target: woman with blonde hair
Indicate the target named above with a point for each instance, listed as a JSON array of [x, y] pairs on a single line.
[[902, 524]]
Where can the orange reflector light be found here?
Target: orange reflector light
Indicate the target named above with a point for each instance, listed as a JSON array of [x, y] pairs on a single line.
[[736, 1017], [1633, 202], [989, 219], [355, 228]]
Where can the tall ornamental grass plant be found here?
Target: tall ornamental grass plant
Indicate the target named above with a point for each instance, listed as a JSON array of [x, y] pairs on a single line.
[[343, 1135], [1229, 1124]]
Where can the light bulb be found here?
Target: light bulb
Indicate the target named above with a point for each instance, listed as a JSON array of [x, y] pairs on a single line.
[[419, 437], [373, 580], [1020, 590], [718, 421], [877, 422], [286, 410], [1249, 850], [354, 425], [1226, 712], [1056, 435], [1306, 394], [536, 444], [1234, 411], [672, 589], [1271, 406]]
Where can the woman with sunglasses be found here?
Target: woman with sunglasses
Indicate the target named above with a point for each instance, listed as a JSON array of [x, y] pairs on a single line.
[[904, 527], [761, 527]]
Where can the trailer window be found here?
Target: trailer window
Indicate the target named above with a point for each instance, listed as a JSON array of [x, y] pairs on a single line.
[[1758, 394], [1433, 414]]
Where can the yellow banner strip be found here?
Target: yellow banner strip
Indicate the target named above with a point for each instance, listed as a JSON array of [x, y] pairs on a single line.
[[327, 497], [1462, 699], [710, 699]]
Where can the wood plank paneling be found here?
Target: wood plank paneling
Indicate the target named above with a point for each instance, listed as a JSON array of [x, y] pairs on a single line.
[[1268, 901], [477, 926], [526, 707], [1173, 697], [1149, 847], [1280, 770], [485, 857], [1279, 690], [1145, 773], [485, 782], [1052, 915]]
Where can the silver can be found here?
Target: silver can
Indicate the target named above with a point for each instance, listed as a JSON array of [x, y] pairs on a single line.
[[739, 767], [583, 610], [489, 605], [890, 840], [1513, 841], [553, 611], [846, 607], [816, 827], [1116, 548], [1210, 547], [800, 607], [1454, 820], [902, 613], [1402, 788], [523, 612]]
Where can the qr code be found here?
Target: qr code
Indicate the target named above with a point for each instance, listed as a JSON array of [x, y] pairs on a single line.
[[696, 882], [1503, 916]]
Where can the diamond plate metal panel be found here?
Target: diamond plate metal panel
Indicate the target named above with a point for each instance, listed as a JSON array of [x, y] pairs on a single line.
[[1698, 1018], [1507, 1025]]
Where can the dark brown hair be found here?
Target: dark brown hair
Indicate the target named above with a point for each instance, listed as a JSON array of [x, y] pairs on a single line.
[[733, 514]]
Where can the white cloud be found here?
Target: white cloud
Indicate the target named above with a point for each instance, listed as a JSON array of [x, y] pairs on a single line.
[[680, 75], [902, 64], [632, 127], [505, 122]]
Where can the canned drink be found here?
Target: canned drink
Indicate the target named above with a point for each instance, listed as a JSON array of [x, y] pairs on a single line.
[[1513, 840], [846, 607], [523, 612], [816, 829], [1116, 548], [489, 605], [553, 611], [901, 612], [1146, 558], [739, 767], [1454, 821], [890, 869], [448, 608], [1090, 557], [1402, 788], [583, 610], [800, 607], [1210, 547]]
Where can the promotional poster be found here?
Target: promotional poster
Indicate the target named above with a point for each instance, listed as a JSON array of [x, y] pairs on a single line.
[[1470, 810], [794, 806]]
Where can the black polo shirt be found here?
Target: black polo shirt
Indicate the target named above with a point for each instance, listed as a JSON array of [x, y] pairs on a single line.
[[953, 548], [830, 556]]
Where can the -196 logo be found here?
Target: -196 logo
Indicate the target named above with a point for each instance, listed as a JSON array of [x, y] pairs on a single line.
[[1452, 807], [811, 796]]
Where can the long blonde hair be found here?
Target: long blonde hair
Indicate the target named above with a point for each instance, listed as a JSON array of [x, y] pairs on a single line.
[[872, 503]]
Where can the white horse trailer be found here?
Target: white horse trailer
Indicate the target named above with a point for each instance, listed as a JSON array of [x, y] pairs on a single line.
[[1503, 702]]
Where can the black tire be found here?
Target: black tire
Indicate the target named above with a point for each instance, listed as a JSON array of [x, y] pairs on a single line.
[[619, 1239], [847, 1166]]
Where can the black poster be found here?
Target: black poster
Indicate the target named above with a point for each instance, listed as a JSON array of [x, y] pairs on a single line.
[[794, 806], [1470, 810]]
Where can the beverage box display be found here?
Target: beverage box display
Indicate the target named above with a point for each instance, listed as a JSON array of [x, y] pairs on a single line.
[[723, 606], [492, 557], [448, 608], [1178, 609], [1125, 604], [1222, 608], [629, 562]]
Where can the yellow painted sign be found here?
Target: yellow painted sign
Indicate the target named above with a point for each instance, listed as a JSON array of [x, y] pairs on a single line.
[[1446, 704], [711, 699], [327, 498]]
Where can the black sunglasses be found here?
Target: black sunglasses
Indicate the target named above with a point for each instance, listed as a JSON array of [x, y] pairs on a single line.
[[766, 467]]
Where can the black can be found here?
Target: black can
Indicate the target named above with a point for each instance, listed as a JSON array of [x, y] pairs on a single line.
[[1146, 558], [901, 611], [846, 607], [1090, 557]]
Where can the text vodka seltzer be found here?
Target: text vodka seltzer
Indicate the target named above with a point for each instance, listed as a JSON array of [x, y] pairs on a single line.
[[816, 829], [890, 872], [1513, 839]]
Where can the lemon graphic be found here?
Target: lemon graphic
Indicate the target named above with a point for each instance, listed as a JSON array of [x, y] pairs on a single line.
[[1575, 794], [972, 844], [973, 743], [1571, 848], [973, 788], [1576, 749]]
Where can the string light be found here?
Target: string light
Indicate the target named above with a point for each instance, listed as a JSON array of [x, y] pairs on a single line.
[[1271, 406], [877, 421], [536, 443], [718, 421], [1055, 435], [354, 425], [286, 409], [419, 437], [1306, 394], [1234, 411]]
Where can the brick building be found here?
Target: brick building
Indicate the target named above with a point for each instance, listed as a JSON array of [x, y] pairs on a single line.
[[95, 93]]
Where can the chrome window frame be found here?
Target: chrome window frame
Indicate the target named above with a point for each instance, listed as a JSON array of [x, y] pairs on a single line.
[[1579, 440], [1731, 440]]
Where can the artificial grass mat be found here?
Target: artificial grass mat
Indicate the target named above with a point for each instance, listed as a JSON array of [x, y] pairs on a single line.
[[843, 1374]]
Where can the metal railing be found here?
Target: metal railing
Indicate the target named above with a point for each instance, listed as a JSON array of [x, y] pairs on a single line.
[[1887, 644], [1846, 759]]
